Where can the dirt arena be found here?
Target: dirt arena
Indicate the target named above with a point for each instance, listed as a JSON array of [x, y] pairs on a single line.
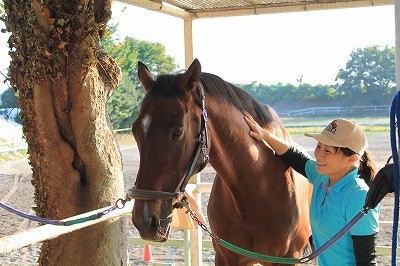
[[16, 190]]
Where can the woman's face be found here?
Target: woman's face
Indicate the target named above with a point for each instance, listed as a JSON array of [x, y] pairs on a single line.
[[332, 161]]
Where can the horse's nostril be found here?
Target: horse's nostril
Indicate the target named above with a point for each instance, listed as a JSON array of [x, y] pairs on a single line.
[[153, 222]]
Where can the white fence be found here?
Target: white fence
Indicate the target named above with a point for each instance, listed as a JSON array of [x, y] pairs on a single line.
[[365, 125], [337, 110]]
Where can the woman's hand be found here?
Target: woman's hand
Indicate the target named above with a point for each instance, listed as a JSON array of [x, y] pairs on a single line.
[[279, 145], [257, 131]]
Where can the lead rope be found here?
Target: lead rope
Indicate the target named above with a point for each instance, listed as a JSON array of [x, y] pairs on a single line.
[[119, 204], [232, 247], [394, 121], [274, 259]]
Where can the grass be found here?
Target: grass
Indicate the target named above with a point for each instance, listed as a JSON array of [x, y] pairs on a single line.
[[12, 156]]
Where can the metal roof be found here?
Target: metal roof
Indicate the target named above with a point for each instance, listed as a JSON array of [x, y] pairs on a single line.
[[194, 9]]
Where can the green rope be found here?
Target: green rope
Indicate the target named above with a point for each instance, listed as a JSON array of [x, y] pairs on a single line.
[[258, 256], [82, 220]]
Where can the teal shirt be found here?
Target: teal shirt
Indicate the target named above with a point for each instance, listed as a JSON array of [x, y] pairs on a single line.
[[332, 208]]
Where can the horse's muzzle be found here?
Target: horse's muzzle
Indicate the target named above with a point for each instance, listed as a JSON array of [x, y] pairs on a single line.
[[149, 223]]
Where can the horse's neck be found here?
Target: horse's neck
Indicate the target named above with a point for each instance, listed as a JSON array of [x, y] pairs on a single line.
[[232, 149]]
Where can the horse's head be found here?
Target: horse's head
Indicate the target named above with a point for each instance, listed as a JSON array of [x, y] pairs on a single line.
[[170, 132]]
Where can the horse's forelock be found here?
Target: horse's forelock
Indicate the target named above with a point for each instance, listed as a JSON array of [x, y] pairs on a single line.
[[168, 83], [165, 84]]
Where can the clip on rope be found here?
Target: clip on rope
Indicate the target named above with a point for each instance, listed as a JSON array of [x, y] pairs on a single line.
[[394, 121]]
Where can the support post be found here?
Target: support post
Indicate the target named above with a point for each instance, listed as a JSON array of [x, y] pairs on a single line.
[[186, 246], [196, 237], [188, 36]]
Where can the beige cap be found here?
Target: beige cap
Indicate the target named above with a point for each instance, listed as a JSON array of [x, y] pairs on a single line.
[[342, 133]]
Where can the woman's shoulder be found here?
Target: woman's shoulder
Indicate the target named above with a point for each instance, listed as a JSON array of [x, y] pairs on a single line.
[[359, 186], [356, 189]]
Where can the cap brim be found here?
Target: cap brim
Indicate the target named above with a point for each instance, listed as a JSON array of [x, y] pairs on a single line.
[[324, 139]]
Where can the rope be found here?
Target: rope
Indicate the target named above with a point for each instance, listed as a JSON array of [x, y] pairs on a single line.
[[119, 204], [394, 121], [335, 238], [268, 258], [30, 217], [255, 255]]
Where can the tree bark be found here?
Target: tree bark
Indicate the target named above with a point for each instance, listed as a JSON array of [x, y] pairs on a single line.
[[64, 82]]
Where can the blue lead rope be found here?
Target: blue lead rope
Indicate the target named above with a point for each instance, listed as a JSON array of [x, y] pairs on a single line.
[[394, 122], [336, 237], [119, 204], [30, 217]]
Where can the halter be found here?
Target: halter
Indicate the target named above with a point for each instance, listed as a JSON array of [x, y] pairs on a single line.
[[200, 150]]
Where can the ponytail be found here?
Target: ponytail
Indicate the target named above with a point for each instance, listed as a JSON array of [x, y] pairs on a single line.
[[367, 168]]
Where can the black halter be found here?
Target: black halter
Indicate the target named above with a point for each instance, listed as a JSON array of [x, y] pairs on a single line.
[[200, 150]]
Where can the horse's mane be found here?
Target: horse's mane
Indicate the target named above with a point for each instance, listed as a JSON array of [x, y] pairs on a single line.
[[217, 88]]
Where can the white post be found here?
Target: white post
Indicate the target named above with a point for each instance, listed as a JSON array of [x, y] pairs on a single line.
[[186, 246], [397, 34], [188, 36], [196, 237]]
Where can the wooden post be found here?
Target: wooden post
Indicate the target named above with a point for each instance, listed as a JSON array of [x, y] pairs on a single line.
[[196, 237], [188, 36]]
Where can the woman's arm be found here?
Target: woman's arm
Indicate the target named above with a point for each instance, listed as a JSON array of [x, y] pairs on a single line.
[[280, 146], [296, 159], [364, 249], [290, 154]]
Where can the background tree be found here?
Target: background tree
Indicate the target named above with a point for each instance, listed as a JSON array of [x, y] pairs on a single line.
[[8, 99], [124, 104], [370, 73], [270, 94], [2, 13], [63, 81]]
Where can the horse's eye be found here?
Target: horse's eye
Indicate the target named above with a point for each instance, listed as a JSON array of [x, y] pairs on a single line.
[[178, 131]]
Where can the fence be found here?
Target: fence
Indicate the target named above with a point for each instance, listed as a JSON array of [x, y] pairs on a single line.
[[367, 126], [337, 110], [192, 242]]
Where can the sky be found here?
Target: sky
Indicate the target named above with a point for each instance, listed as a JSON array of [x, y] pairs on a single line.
[[268, 48]]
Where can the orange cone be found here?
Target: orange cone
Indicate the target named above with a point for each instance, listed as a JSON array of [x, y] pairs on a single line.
[[147, 254]]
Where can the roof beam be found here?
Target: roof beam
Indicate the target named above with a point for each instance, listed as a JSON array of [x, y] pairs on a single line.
[[158, 6], [289, 7]]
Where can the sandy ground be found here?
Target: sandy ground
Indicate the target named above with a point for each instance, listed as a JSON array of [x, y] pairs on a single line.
[[16, 190]]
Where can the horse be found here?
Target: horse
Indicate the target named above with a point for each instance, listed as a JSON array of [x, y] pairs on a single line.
[[257, 201]]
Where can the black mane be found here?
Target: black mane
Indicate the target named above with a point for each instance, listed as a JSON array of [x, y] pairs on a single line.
[[217, 88]]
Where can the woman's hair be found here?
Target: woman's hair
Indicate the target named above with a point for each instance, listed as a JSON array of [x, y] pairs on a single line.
[[367, 168]]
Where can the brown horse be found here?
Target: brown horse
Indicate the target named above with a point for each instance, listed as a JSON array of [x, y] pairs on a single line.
[[257, 202]]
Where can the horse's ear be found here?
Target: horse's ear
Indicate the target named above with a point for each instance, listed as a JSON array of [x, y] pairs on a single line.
[[145, 76], [191, 78]]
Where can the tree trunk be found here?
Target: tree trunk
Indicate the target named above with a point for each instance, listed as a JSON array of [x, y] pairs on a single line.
[[64, 82]]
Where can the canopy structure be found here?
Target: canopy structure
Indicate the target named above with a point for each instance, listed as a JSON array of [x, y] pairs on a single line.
[[221, 8]]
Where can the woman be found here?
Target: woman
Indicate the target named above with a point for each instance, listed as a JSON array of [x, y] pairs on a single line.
[[340, 175]]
